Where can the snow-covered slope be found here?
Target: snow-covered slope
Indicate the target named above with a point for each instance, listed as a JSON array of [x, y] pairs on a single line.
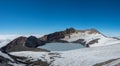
[[6, 56], [91, 37], [79, 57], [7, 60]]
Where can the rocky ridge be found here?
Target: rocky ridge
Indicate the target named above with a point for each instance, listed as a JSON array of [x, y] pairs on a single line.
[[23, 44], [87, 38]]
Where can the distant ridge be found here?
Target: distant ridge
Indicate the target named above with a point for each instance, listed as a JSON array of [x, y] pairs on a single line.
[[88, 38]]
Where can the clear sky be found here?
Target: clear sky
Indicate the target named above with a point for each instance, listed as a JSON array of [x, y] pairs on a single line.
[[46, 16]]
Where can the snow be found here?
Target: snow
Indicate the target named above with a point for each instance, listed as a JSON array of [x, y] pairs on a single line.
[[103, 40], [16, 64], [5, 56], [114, 63], [33, 55], [82, 35], [79, 57]]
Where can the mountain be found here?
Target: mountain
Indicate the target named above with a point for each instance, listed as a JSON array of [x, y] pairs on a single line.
[[57, 36], [23, 44], [33, 42], [23, 51], [88, 37]]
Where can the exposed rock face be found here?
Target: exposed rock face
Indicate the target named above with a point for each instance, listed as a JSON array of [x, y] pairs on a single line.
[[55, 37], [18, 44], [4, 62], [81, 41], [70, 30], [33, 42], [30, 43], [93, 31], [71, 35], [93, 41], [15, 44]]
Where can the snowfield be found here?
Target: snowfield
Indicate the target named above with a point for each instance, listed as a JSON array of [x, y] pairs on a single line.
[[79, 57], [6, 56], [103, 40]]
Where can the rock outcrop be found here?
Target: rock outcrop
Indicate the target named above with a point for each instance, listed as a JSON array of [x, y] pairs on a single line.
[[23, 44], [85, 37], [57, 36], [33, 42]]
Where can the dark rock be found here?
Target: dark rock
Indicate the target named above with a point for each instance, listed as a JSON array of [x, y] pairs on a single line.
[[18, 44], [6, 58], [70, 30], [57, 36], [91, 31], [15, 44], [4, 61], [60, 41], [93, 41], [33, 42], [36, 63], [81, 41]]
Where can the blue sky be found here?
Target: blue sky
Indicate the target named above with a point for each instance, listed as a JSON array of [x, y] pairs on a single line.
[[46, 16]]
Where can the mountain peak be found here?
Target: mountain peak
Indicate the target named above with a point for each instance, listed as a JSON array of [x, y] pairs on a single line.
[[93, 30], [70, 30]]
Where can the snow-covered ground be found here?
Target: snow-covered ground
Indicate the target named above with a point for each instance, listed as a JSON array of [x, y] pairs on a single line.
[[79, 57], [6, 56], [113, 63], [87, 36], [6, 59]]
